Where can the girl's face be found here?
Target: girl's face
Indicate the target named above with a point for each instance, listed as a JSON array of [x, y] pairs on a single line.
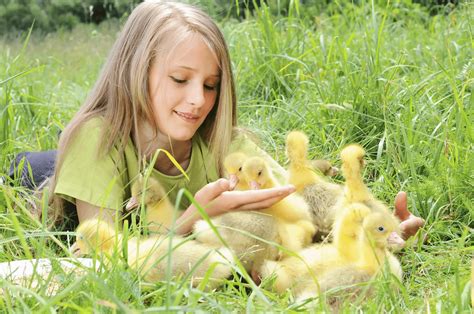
[[184, 90]]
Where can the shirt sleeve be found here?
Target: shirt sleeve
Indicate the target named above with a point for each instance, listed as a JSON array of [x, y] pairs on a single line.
[[244, 144], [88, 174]]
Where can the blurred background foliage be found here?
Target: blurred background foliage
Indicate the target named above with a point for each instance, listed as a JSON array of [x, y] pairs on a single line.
[[52, 15]]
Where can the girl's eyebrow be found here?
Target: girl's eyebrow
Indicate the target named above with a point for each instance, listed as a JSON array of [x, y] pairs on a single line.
[[194, 70]]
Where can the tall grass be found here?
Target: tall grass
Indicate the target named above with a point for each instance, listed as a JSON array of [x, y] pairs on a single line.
[[386, 75]]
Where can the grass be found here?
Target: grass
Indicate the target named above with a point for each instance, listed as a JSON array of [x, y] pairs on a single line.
[[389, 76]]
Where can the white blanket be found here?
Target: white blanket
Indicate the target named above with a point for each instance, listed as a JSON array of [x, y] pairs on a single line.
[[26, 268], [38, 272]]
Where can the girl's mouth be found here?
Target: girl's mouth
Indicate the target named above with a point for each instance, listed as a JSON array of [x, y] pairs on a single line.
[[188, 117]]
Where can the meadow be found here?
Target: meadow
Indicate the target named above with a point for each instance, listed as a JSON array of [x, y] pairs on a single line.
[[389, 76]]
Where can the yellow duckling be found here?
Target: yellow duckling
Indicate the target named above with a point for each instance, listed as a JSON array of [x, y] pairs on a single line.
[[250, 235], [295, 228], [362, 237], [233, 165], [260, 176], [160, 212], [302, 271], [94, 235], [347, 229], [296, 272], [322, 196], [377, 228], [355, 190], [345, 283], [325, 167], [373, 254], [150, 256]]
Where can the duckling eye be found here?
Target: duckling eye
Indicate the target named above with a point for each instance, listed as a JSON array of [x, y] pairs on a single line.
[[240, 169], [259, 173], [381, 229]]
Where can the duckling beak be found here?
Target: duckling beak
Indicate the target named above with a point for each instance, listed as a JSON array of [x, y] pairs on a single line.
[[75, 250], [333, 171], [233, 180], [132, 203], [254, 185], [394, 240]]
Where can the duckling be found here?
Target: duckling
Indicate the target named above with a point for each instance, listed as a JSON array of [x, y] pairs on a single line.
[[347, 229], [150, 256], [348, 281], [250, 235], [322, 196], [355, 190], [301, 173], [160, 211], [298, 272], [259, 176], [362, 236], [348, 277], [233, 165], [292, 213], [95, 235], [373, 246], [325, 167]]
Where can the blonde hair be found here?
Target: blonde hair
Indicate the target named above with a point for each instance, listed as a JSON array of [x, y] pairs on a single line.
[[121, 95]]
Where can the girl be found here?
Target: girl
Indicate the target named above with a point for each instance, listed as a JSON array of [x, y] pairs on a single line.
[[168, 85]]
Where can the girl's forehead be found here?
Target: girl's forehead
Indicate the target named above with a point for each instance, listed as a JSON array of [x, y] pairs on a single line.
[[190, 52]]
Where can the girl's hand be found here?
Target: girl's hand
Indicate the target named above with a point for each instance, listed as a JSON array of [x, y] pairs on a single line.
[[410, 223], [216, 198]]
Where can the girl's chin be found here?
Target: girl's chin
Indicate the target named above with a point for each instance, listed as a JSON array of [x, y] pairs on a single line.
[[180, 131], [181, 137]]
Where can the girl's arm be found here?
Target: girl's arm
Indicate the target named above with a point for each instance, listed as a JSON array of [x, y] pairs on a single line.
[[215, 198], [88, 211]]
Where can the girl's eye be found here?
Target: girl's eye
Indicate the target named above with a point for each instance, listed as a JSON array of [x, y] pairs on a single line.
[[177, 80], [209, 87]]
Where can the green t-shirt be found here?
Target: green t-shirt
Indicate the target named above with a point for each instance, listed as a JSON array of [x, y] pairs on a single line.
[[104, 180]]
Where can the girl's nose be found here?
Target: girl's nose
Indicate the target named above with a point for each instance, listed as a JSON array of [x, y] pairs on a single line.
[[196, 95]]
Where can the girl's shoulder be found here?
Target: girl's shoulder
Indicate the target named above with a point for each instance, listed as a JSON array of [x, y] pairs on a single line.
[[90, 174], [92, 126]]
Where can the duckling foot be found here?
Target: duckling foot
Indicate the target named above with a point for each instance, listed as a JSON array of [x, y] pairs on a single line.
[[256, 277]]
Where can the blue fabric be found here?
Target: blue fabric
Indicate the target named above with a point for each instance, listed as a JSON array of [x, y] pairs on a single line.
[[36, 168]]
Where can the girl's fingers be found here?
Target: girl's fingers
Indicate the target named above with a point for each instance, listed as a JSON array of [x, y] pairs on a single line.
[[410, 223], [262, 204], [410, 226], [212, 190], [217, 199], [256, 199], [401, 207]]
